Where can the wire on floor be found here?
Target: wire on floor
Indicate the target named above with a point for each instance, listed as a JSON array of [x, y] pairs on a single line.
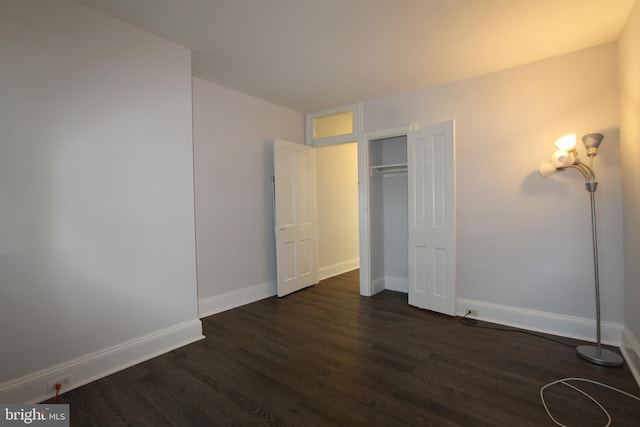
[[467, 321], [58, 387], [564, 382]]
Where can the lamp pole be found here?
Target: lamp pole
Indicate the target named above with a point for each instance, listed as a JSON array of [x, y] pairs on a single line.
[[595, 354]]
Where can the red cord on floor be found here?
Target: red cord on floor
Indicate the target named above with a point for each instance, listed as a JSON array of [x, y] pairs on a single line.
[[58, 387]]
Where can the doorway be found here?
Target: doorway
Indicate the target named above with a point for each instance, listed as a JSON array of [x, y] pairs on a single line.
[[428, 157], [336, 134], [337, 209]]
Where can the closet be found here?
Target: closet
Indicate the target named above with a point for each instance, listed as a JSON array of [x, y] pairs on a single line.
[[388, 214], [407, 210]]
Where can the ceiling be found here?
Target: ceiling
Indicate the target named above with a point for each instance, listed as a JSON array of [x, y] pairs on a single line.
[[310, 55]]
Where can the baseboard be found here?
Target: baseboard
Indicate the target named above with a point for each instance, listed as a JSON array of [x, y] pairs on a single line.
[[236, 298], [540, 321], [32, 388], [631, 351], [391, 283], [339, 268], [377, 285], [398, 284]]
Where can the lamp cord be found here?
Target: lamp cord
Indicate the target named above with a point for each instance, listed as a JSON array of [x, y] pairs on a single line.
[[564, 382], [467, 321]]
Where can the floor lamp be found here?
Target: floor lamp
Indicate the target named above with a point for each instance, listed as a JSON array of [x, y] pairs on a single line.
[[567, 157]]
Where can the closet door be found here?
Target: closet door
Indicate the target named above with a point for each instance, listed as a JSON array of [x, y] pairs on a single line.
[[431, 173]]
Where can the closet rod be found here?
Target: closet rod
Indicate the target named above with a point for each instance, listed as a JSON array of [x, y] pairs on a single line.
[[388, 169]]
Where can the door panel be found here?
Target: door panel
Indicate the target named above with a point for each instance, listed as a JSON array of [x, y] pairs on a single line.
[[431, 172], [295, 227]]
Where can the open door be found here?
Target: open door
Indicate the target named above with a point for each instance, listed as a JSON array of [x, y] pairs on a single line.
[[295, 228], [431, 175]]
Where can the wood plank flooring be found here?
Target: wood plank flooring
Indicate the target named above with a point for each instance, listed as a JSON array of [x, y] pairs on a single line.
[[326, 356]]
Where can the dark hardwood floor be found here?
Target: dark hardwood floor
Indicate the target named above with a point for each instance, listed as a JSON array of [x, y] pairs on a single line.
[[326, 356]]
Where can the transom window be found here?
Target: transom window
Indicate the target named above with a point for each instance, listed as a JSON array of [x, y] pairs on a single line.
[[335, 126]]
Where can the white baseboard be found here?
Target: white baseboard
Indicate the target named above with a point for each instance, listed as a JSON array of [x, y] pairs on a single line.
[[339, 268], [631, 351], [398, 284], [239, 297], [32, 388], [377, 285], [540, 321]]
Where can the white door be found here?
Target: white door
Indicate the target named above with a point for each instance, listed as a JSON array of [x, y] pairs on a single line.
[[431, 173], [295, 226]]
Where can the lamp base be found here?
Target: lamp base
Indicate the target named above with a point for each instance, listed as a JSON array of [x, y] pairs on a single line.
[[604, 357]]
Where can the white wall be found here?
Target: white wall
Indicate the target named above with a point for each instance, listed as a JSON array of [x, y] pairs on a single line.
[[233, 159], [396, 229], [97, 251], [629, 64], [524, 241], [337, 208], [395, 190]]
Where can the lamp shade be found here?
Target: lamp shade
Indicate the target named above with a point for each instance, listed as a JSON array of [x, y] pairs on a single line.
[[592, 142], [567, 142], [559, 158], [547, 169], [562, 158]]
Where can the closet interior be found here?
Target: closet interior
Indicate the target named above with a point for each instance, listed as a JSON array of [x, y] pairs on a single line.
[[388, 214]]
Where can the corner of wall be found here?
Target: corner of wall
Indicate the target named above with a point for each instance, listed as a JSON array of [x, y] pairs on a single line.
[[630, 348]]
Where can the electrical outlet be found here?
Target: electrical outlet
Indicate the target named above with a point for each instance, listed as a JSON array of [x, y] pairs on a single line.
[[65, 382], [471, 312]]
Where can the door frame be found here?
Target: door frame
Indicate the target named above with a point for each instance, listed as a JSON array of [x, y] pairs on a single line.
[[357, 137], [366, 288]]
